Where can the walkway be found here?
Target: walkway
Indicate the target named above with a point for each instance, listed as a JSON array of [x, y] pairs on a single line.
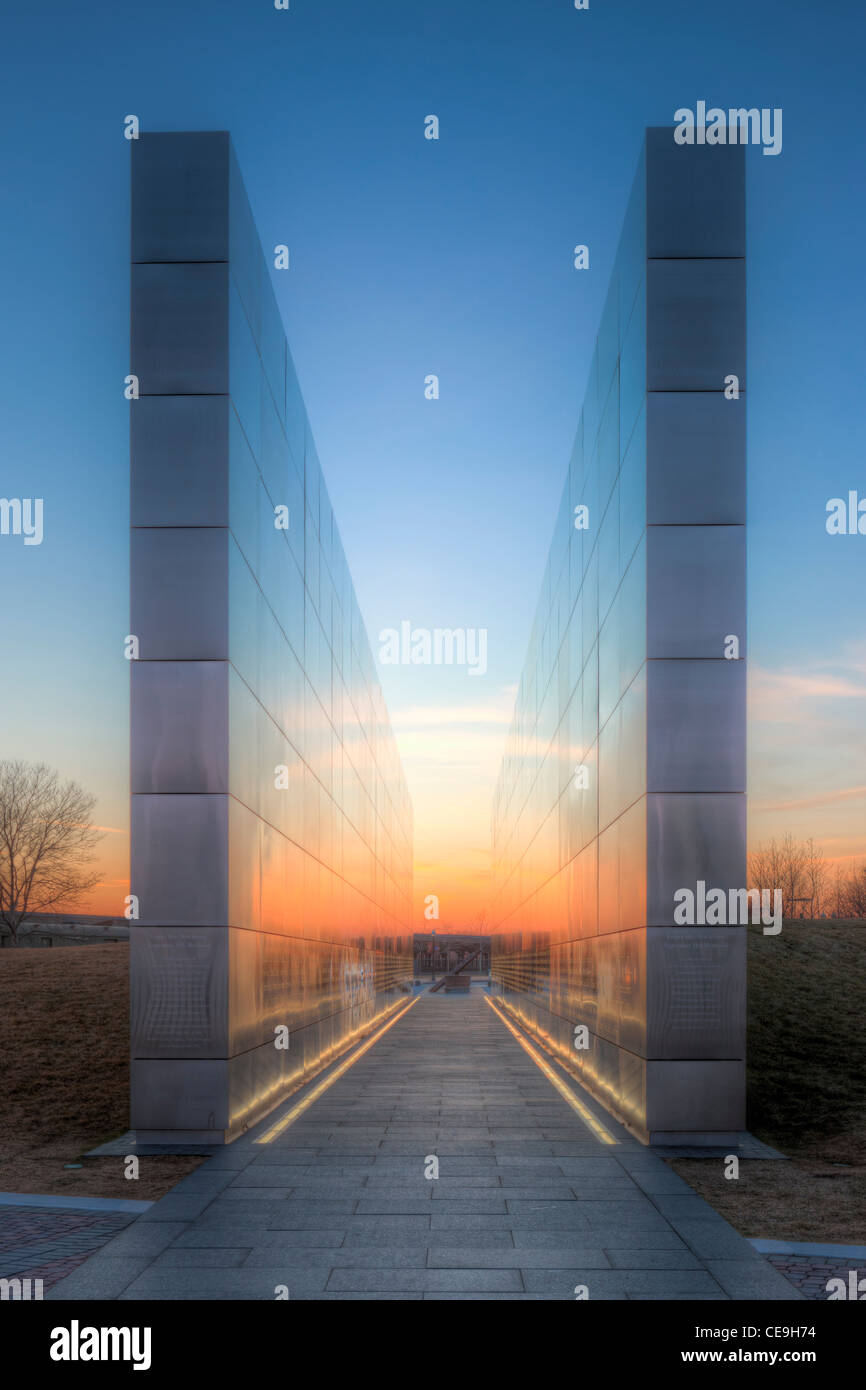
[[534, 1199]]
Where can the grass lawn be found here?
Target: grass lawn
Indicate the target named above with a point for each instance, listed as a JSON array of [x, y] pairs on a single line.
[[64, 1081], [806, 1089]]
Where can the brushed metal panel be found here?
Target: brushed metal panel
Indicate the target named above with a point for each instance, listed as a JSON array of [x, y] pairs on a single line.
[[179, 461], [247, 1027], [179, 726], [621, 972], [695, 458], [609, 451], [273, 349], [274, 563], [622, 766], [181, 1095], [690, 837], [608, 878], [275, 855], [631, 252], [634, 491], [583, 802], [607, 346], [244, 597], [179, 593], [179, 859], [591, 414], [244, 861], [696, 590], [632, 601], [179, 338], [608, 555], [696, 992], [296, 416], [695, 1095], [244, 487], [622, 640], [275, 461], [696, 324], [588, 602], [618, 1080], [608, 665], [633, 367], [583, 892], [257, 1080], [247, 260], [696, 726], [246, 380], [622, 871], [179, 992], [245, 781], [631, 905], [696, 197], [179, 206], [631, 1085]]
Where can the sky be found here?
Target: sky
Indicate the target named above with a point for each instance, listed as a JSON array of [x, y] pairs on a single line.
[[454, 257]]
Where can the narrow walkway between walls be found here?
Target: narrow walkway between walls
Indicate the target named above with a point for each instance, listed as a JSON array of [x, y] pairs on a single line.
[[443, 1163]]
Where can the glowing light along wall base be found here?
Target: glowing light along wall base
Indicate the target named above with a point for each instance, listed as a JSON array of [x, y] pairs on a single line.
[[271, 825], [624, 779]]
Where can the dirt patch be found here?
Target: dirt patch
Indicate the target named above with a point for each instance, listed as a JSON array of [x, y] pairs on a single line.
[[771, 1200], [64, 1083]]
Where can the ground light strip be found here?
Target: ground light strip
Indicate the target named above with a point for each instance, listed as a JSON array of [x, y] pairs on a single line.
[[335, 1075], [587, 1116]]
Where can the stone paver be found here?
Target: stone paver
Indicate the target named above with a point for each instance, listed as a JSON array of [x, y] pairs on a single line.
[[529, 1204]]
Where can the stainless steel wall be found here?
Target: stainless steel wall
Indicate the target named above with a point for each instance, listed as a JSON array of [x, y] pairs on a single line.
[[271, 824], [627, 677]]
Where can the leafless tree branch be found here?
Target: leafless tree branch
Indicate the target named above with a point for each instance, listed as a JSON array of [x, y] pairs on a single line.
[[47, 842]]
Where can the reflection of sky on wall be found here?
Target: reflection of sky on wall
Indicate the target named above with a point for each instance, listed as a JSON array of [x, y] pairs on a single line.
[[410, 257]]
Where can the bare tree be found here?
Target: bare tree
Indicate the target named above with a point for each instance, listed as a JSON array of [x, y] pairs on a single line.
[[793, 883], [47, 842], [764, 866], [838, 891], [799, 869], [854, 893], [768, 870], [815, 876]]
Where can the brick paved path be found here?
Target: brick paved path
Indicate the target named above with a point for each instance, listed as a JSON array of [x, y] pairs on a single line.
[[48, 1243], [530, 1201], [810, 1274]]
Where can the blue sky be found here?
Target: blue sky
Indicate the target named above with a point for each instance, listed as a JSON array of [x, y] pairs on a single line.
[[453, 257]]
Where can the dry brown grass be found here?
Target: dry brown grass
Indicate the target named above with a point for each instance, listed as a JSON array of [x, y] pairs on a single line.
[[64, 1082], [800, 1200], [806, 1090]]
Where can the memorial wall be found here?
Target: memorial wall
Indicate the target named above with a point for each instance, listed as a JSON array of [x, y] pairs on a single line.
[[271, 861], [624, 779]]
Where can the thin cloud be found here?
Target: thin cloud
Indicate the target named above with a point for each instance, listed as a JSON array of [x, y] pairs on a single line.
[[831, 798], [441, 716], [793, 697]]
